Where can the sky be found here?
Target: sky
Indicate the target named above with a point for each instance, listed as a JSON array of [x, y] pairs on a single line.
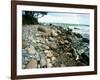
[[71, 18]]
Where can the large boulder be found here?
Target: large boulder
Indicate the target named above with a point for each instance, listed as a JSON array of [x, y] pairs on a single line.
[[42, 29]]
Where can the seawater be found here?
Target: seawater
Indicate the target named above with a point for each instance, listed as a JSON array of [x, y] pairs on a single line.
[[83, 29]]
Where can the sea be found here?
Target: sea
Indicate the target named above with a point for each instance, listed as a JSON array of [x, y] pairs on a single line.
[[83, 29]]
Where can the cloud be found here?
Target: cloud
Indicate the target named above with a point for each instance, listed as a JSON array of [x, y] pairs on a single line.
[[72, 18]]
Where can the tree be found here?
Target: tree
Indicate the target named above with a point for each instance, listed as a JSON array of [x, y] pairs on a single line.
[[31, 17]]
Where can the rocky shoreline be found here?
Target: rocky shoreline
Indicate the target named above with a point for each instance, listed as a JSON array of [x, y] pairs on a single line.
[[53, 46]]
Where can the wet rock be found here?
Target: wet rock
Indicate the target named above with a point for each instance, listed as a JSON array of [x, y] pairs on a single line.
[[77, 28], [86, 58], [32, 64], [70, 39], [50, 24], [85, 40], [78, 35]]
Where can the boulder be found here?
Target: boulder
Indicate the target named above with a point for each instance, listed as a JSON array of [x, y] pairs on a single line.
[[53, 58], [86, 58], [31, 50], [45, 46], [43, 61], [42, 29], [49, 65], [48, 53], [48, 60], [32, 64], [53, 46], [51, 39], [66, 41], [24, 44], [54, 33], [37, 35], [85, 40], [78, 35], [24, 51], [69, 54]]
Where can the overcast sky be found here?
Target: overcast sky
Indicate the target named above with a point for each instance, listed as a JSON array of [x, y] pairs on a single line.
[[72, 18]]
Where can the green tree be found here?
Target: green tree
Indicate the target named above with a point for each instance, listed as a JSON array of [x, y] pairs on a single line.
[[31, 17]]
